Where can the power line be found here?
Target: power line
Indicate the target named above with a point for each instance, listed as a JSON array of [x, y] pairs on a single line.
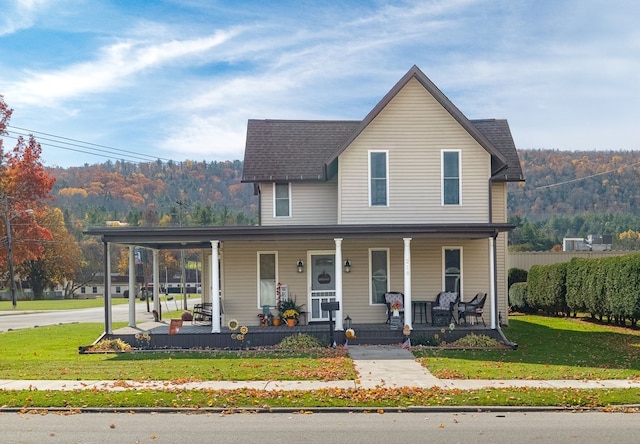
[[70, 142]]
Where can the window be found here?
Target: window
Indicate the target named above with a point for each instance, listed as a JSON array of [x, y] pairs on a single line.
[[118, 290], [378, 189], [452, 269], [83, 290], [451, 178], [267, 279], [281, 199], [379, 260]]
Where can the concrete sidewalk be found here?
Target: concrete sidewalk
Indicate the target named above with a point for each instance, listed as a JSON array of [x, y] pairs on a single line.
[[377, 366]]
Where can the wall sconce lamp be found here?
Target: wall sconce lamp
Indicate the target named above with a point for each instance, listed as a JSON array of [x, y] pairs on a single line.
[[347, 266], [300, 266]]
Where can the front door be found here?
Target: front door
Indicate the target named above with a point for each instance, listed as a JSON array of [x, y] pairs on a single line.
[[322, 275]]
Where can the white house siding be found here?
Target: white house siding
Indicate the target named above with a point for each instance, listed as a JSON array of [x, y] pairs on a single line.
[[312, 203], [414, 128], [240, 273]]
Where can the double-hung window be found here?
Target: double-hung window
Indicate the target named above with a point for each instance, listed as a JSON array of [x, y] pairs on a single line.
[[451, 177], [282, 200], [379, 262], [378, 180], [267, 278], [452, 275]]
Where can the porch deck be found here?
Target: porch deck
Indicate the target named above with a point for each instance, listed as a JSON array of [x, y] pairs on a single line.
[[199, 336]]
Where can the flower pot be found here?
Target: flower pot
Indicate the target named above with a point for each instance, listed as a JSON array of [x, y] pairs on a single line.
[[291, 322], [276, 322], [396, 313]]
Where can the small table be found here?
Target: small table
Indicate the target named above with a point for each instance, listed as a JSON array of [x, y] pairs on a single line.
[[425, 309]]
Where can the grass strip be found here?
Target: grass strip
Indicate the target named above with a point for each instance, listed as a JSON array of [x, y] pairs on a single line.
[[373, 398]]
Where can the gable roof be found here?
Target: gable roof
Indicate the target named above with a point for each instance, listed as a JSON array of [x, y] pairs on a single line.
[[304, 150]]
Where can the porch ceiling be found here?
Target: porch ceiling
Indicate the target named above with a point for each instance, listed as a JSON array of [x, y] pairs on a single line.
[[169, 238]]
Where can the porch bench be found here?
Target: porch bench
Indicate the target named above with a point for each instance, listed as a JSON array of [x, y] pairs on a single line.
[[203, 312]]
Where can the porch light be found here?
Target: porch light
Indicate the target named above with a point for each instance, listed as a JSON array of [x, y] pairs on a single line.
[[300, 266], [347, 322], [347, 266]]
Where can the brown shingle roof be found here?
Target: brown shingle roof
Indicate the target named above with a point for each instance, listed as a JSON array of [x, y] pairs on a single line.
[[292, 150]]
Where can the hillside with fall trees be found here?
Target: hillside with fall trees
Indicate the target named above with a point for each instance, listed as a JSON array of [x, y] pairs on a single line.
[[153, 194]]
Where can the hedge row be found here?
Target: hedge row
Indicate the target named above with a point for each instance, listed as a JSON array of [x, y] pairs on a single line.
[[604, 287]]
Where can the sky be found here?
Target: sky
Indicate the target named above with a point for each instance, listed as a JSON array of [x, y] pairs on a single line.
[[139, 80]]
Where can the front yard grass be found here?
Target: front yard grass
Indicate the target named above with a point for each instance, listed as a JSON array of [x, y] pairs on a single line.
[[548, 348], [52, 353]]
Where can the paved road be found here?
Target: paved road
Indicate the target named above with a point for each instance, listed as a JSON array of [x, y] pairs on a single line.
[[373, 428], [19, 319]]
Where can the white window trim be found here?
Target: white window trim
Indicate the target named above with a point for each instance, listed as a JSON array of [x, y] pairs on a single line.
[[386, 152], [442, 152], [371, 274], [453, 247], [274, 201], [258, 274]]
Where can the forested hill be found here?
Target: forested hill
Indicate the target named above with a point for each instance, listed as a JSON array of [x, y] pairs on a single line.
[[558, 183], [568, 183], [151, 194]]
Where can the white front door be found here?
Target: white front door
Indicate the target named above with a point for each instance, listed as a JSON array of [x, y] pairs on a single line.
[[322, 273]]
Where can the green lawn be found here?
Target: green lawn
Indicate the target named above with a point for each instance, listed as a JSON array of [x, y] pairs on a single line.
[[52, 353], [73, 304], [548, 348]]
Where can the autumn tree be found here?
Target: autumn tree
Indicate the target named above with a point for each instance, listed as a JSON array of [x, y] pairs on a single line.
[[61, 259], [25, 188]]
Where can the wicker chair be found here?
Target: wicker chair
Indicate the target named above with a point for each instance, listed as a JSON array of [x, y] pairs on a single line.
[[443, 309], [390, 298], [473, 309]]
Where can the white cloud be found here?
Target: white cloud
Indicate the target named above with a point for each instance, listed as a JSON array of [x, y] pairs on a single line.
[[116, 64]]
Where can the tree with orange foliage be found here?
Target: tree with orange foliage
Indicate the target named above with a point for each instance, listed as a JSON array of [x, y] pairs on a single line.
[[25, 187]]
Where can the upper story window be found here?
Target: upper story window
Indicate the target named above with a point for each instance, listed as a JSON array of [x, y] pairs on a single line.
[[281, 199], [378, 171], [451, 177]]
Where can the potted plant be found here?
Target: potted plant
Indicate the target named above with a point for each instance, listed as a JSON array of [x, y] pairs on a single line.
[[289, 309], [291, 316]]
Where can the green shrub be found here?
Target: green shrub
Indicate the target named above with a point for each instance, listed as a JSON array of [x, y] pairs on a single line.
[[518, 297], [299, 341], [546, 288], [516, 275], [474, 340], [110, 345]]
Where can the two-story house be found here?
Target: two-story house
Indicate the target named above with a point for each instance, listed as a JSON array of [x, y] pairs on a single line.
[[413, 198]]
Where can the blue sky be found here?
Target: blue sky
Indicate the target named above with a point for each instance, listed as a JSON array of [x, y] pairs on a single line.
[[178, 79]]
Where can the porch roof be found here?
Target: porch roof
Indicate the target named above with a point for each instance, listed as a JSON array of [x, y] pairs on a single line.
[[168, 238]]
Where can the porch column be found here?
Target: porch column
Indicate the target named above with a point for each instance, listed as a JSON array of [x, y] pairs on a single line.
[[108, 316], [407, 282], [156, 282], [338, 272], [492, 282], [215, 287], [132, 287]]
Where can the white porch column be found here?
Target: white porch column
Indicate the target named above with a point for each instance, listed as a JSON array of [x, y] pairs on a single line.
[[215, 287], [492, 282], [132, 287], [156, 282], [108, 315], [407, 282], [338, 271]]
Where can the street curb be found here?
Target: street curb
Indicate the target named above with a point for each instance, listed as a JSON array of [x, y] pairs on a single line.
[[627, 408]]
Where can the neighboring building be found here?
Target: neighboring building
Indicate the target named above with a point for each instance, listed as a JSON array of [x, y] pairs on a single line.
[[413, 197], [594, 242]]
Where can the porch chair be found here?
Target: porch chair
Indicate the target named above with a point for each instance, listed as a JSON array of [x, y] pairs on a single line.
[[473, 309], [390, 298], [443, 309]]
